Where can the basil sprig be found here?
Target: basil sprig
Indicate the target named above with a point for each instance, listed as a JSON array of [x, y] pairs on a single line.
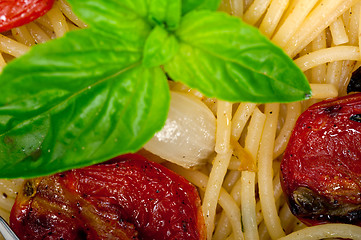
[[102, 91]]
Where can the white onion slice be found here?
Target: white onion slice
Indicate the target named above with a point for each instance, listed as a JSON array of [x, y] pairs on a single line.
[[188, 136]]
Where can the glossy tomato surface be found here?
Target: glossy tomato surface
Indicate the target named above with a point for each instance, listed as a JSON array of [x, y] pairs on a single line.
[[321, 168], [15, 13], [128, 197]]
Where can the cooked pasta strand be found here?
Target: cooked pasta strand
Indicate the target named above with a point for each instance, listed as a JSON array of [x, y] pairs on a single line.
[[2, 62], [265, 173], [248, 205], [223, 134], [263, 232], [230, 179], [239, 191], [255, 11], [326, 231], [234, 7], [326, 55], [359, 30], [326, 12], [214, 184], [45, 21], [22, 35], [353, 27], [287, 218], [334, 73], [273, 16], [225, 200], [254, 132], [12, 47], [66, 9], [293, 112], [293, 21], [347, 67], [338, 31], [237, 7], [322, 91], [319, 72], [220, 164], [37, 33], [240, 118], [58, 21]]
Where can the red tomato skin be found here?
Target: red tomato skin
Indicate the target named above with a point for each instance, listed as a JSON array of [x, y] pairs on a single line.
[[15, 13], [323, 156], [144, 199]]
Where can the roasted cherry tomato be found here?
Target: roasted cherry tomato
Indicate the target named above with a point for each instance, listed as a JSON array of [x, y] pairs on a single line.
[[321, 168], [128, 197], [14, 13]]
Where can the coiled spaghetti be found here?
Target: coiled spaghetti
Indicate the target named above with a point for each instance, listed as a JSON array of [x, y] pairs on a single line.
[[240, 188]]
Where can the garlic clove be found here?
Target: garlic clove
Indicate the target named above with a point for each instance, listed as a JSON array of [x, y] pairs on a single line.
[[188, 136]]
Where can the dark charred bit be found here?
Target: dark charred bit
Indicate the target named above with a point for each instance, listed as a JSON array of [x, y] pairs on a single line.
[[312, 207], [333, 111], [355, 82], [184, 226], [29, 188], [305, 201], [81, 234], [356, 118]]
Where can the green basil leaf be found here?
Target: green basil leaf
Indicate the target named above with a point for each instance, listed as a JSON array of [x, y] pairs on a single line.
[[108, 15], [73, 61], [228, 59], [189, 5], [212, 5], [165, 13], [78, 101], [159, 48]]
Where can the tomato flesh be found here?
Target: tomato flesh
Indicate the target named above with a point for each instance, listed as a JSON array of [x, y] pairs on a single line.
[[321, 167], [128, 197], [15, 13]]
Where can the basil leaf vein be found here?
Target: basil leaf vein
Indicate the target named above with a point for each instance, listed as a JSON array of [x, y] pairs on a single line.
[[225, 58], [77, 108]]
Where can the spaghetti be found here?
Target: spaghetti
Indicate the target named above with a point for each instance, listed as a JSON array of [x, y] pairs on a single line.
[[241, 200]]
